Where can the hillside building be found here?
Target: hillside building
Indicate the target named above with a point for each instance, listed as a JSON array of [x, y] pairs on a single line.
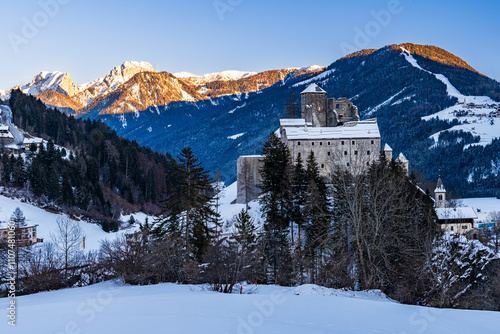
[[459, 220], [329, 127], [24, 236]]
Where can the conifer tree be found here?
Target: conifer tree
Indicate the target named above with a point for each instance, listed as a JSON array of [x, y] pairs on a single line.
[[292, 108], [188, 211], [276, 206], [317, 212]]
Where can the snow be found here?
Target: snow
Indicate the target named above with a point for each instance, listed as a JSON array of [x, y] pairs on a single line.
[[238, 107], [406, 98], [236, 136], [42, 82], [386, 102], [313, 88], [479, 123], [224, 75], [361, 129], [47, 222], [401, 158], [315, 78], [483, 206], [229, 211], [456, 213], [170, 308]]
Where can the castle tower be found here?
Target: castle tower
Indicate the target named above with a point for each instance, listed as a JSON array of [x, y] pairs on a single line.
[[440, 194], [405, 164], [314, 105], [388, 152]]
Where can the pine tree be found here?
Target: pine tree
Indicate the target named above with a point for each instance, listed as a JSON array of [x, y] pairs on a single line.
[[292, 108], [188, 210], [276, 206], [18, 218], [317, 212], [298, 195]]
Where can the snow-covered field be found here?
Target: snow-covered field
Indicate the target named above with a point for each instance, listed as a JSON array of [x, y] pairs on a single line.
[[169, 308]]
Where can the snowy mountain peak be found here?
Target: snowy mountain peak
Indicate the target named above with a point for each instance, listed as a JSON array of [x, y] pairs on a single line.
[[114, 79], [216, 76], [56, 81]]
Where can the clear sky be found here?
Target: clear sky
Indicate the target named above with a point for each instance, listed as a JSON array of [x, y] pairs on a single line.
[[89, 37]]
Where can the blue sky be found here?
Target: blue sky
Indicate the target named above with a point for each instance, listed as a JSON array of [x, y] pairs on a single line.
[[88, 38]]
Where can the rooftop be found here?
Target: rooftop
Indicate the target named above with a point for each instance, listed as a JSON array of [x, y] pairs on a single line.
[[351, 130], [440, 186], [294, 122], [313, 88], [465, 212]]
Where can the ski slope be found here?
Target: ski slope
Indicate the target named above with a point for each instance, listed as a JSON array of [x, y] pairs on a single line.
[[186, 309], [476, 122]]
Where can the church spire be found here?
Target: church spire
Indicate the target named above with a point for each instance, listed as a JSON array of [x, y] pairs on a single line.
[[440, 194]]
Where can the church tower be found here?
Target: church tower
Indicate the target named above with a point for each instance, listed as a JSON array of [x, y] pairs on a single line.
[[440, 194]]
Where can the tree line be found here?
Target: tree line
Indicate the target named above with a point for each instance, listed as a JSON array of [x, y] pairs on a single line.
[[370, 230], [84, 165]]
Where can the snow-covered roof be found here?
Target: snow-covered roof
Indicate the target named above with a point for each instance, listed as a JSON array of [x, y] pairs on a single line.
[[5, 132], [351, 130], [440, 186], [387, 147], [313, 88], [401, 158], [294, 122], [32, 141], [465, 212]]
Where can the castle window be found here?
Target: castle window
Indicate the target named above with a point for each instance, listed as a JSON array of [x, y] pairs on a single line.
[[312, 143], [347, 164], [342, 142], [337, 106], [298, 143], [367, 152], [320, 143], [322, 165], [328, 153], [373, 142], [345, 152], [451, 228], [353, 142], [298, 155], [355, 152], [328, 143]]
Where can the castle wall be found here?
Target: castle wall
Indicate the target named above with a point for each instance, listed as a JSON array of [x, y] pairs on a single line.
[[353, 154], [248, 175], [345, 109]]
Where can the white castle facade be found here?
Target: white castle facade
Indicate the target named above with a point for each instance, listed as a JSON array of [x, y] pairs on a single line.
[[328, 127]]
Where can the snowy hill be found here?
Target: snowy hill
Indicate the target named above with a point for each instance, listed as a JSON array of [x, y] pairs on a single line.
[[169, 308], [47, 222]]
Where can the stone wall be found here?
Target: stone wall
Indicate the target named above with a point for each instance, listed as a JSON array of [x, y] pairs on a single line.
[[248, 167], [352, 154], [314, 108]]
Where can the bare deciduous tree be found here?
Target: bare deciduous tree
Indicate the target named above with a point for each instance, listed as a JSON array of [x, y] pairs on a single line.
[[68, 239]]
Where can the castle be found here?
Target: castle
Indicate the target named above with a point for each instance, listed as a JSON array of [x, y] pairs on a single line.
[[331, 129]]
